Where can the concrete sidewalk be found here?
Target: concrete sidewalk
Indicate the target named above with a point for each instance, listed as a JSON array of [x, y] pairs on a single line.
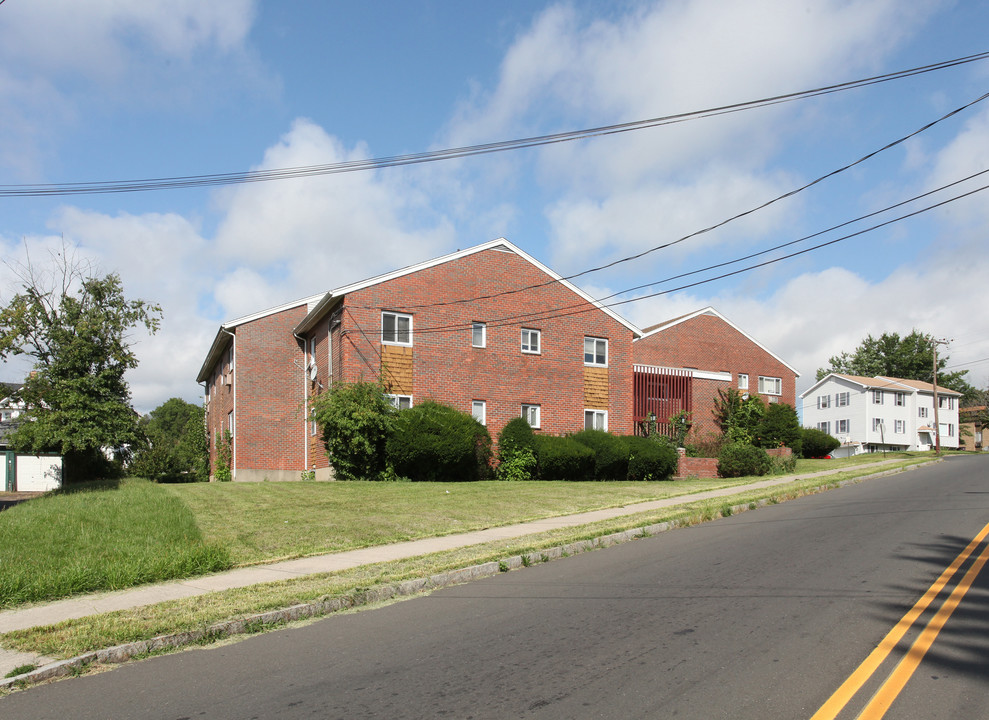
[[97, 603]]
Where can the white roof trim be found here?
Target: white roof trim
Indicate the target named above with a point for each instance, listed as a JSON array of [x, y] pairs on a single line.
[[711, 311], [310, 302], [498, 244], [891, 383]]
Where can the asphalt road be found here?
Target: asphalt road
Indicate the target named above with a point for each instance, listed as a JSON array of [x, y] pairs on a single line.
[[760, 615]]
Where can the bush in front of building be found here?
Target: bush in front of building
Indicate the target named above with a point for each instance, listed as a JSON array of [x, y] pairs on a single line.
[[563, 458], [516, 451], [778, 427], [741, 459], [356, 421], [610, 453], [817, 443], [650, 458], [431, 442]]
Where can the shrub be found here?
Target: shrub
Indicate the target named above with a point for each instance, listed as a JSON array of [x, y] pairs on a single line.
[[516, 451], [740, 459], [778, 427], [563, 458], [431, 442], [650, 459], [817, 443], [706, 446], [356, 420], [610, 453], [782, 465]]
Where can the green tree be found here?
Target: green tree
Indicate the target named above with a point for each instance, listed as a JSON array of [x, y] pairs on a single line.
[[738, 416], [910, 357], [174, 446], [76, 329], [779, 427]]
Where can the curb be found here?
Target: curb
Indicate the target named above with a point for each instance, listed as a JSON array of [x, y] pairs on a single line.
[[369, 596]]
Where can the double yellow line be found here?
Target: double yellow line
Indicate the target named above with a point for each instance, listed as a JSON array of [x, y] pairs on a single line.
[[898, 678]]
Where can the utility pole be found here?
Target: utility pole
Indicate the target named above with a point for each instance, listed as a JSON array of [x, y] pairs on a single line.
[[937, 402]]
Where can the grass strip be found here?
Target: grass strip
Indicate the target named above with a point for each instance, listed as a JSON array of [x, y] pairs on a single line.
[[74, 637], [92, 538], [264, 522]]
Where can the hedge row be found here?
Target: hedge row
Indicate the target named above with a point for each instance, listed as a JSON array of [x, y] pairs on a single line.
[[587, 455]]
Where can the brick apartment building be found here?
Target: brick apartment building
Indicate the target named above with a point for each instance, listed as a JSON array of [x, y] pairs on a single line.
[[682, 363], [488, 330]]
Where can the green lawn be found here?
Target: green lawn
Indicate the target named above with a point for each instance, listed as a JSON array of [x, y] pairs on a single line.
[[139, 532], [100, 539]]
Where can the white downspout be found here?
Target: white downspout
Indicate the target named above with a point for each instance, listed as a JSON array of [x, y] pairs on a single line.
[[233, 389], [305, 402]]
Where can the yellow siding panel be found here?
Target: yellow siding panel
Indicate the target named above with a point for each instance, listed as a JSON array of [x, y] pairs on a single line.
[[596, 388], [396, 369]]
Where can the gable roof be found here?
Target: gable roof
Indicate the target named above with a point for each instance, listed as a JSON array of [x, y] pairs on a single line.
[[330, 298], [222, 338], [666, 325], [882, 382]]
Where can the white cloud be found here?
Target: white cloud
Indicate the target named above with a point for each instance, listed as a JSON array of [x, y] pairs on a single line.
[[304, 236], [568, 71], [58, 56]]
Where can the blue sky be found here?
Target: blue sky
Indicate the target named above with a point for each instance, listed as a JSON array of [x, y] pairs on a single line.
[[131, 89]]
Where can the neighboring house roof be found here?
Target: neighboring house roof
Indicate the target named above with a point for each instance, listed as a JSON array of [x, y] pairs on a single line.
[[222, 338], [329, 299], [8, 388], [666, 325], [881, 382]]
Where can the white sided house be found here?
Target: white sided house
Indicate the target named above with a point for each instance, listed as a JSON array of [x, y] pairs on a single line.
[[881, 413]]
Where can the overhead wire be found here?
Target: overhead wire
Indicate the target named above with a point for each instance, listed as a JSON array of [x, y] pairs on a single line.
[[577, 309], [216, 179], [722, 223]]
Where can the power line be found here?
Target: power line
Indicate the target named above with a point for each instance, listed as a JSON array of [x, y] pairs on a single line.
[[567, 311], [728, 220], [214, 179]]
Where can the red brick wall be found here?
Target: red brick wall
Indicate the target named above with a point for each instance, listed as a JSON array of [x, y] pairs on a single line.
[[220, 403], [449, 370], [267, 396], [707, 342]]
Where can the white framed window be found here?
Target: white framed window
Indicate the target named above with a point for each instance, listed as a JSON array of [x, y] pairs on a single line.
[[824, 426], [396, 328], [877, 397], [842, 426], [479, 334], [595, 419], [743, 381], [946, 403], [823, 401], [900, 399], [312, 422], [922, 412], [841, 399], [479, 411], [531, 413], [530, 341], [400, 402], [770, 386], [595, 351], [899, 426], [230, 423], [877, 424], [951, 430]]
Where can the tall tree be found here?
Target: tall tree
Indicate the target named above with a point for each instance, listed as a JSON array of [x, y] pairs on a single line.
[[174, 445], [910, 357], [76, 328]]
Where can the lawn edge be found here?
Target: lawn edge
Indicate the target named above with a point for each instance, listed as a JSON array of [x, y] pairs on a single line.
[[275, 619]]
